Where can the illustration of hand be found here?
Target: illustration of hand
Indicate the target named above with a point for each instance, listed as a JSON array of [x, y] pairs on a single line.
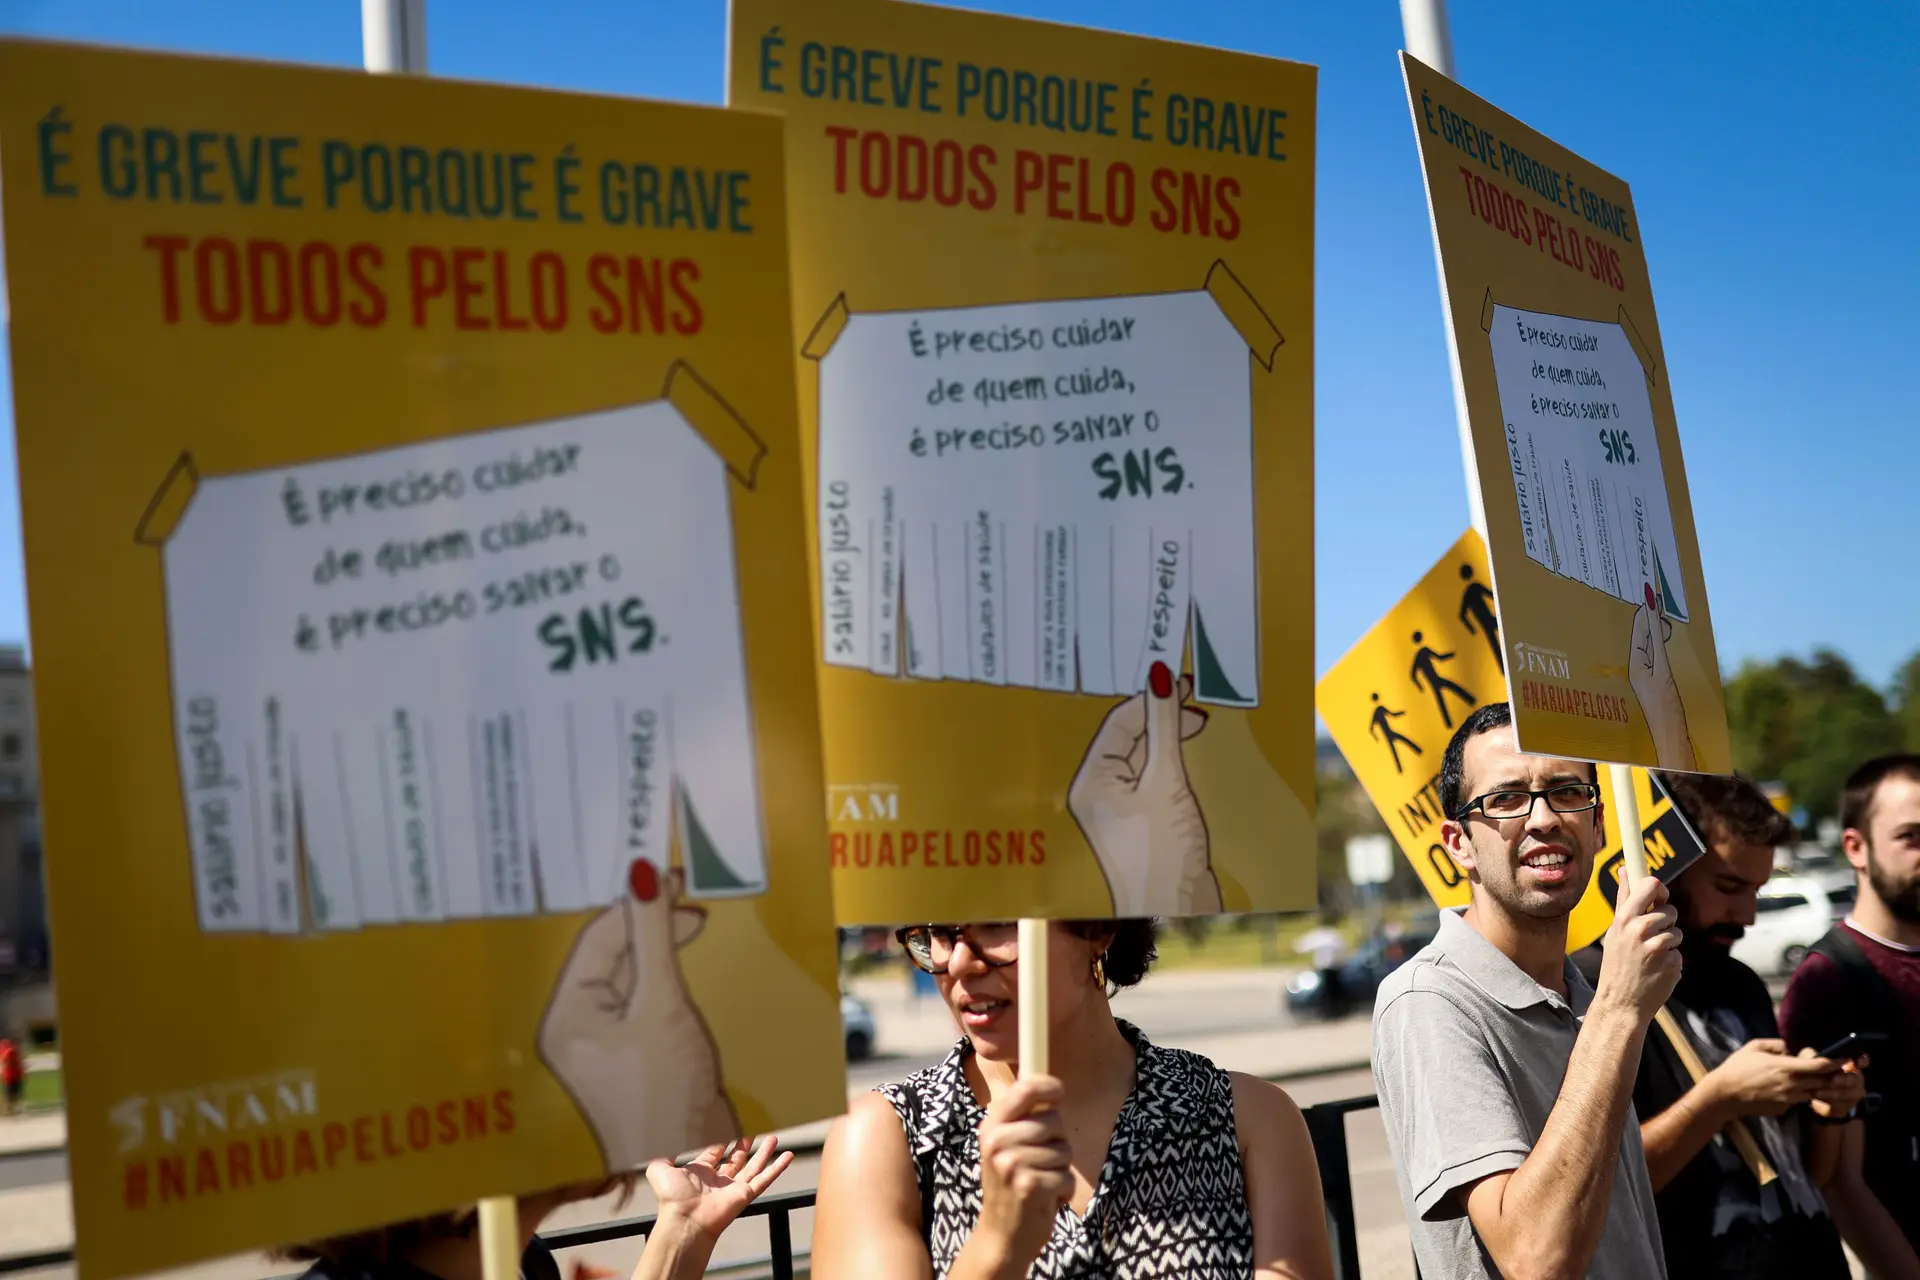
[[1135, 807], [1651, 676], [623, 1036]]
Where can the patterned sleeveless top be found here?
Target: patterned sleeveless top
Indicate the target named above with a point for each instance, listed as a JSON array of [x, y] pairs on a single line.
[[1171, 1200]]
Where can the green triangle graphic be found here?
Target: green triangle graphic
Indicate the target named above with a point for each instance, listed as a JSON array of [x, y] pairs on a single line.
[[317, 894], [1213, 684], [1666, 592], [710, 871]]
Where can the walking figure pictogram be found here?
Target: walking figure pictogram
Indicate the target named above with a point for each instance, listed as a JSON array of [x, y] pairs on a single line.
[[1476, 605], [1382, 724], [1425, 677]]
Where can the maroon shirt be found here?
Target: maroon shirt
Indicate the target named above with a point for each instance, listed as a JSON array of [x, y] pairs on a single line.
[[1820, 1007], [1818, 1003]]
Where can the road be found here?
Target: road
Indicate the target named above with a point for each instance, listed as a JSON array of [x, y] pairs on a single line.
[[32, 1169], [1234, 1017]]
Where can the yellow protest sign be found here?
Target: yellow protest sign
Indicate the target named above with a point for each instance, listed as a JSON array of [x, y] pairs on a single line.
[[410, 478], [1395, 700], [1569, 400], [1055, 294]]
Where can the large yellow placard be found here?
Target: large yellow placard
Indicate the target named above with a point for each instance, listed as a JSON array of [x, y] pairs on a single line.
[[1395, 700], [429, 732], [1056, 292], [1569, 400]]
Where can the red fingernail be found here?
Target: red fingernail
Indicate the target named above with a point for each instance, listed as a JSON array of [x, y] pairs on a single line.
[[1160, 680], [1653, 601], [643, 880]]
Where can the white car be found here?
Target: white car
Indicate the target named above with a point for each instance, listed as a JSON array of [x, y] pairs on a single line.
[[1791, 915], [856, 1020]]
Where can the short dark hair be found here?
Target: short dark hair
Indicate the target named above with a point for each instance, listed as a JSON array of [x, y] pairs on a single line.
[[1130, 954], [1863, 786], [1453, 769], [1494, 715], [1728, 807]]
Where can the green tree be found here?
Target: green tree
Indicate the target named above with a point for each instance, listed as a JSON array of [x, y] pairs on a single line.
[[1906, 701], [1808, 724]]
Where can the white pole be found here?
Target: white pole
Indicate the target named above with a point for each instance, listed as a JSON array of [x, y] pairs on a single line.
[[1430, 39], [393, 36]]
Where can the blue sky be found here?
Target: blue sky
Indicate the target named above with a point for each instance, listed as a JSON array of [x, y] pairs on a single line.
[[1770, 149]]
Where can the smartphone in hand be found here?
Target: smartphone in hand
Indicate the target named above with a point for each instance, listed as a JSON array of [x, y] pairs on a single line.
[[1854, 1044]]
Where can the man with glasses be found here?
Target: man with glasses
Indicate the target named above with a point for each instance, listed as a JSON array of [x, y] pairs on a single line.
[[1506, 1081]]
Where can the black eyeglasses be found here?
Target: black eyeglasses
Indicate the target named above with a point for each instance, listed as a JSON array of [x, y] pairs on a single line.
[[1567, 797], [930, 946]]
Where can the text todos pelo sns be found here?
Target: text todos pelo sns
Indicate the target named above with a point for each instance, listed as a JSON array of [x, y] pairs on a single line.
[[323, 283], [594, 634], [1531, 223], [912, 167], [1551, 185]]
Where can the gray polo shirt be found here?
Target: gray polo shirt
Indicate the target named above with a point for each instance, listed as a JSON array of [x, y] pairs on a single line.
[[1468, 1056]]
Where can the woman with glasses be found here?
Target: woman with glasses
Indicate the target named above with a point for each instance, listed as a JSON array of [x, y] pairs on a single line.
[[1128, 1160]]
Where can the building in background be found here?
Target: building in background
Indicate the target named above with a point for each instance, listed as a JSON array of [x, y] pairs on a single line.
[[26, 953]]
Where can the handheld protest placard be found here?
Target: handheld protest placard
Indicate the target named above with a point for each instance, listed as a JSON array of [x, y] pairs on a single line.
[[1394, 700], [410, 481], [1056, 395], [1594, 558]]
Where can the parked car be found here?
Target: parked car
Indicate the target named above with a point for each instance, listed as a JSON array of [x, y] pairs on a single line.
[[1360, 976], [1842, 886], [856, 1022], [1792, 913]]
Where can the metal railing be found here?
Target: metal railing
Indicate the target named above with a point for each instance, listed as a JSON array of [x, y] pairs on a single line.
[[777, 1210], [1326, 1123]]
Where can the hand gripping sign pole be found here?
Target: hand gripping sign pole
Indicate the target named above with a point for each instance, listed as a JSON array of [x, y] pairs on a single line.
[[393, 41]]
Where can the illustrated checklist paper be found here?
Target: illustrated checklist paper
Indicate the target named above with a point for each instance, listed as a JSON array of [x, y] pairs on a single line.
[[476, 677], [1050, 495], [1583, 455]]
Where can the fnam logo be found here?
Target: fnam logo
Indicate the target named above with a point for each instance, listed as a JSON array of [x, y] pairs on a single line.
[[863, 802], [215, 1111], [1533, 660]]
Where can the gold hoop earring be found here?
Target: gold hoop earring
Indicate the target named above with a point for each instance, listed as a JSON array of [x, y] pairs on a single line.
[[1100, 971]]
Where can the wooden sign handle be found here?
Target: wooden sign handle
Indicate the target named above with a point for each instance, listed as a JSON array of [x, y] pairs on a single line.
[[499, 1229], [1757, 1162], [1633, 842], [1033, 997]]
